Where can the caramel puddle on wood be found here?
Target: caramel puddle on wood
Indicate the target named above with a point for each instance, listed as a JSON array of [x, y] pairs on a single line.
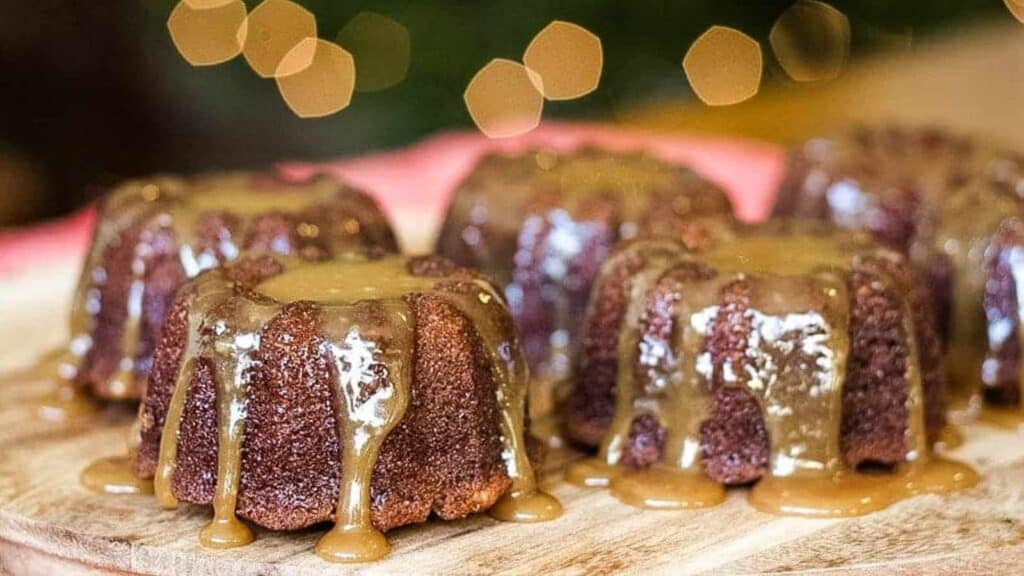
[[666, 488], [65, 402], [526, 506], [850, 493], [950, 438], [114, 476], [592, 473], [1010, 417]]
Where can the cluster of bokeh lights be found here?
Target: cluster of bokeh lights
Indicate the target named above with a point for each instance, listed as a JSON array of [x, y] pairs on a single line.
[[810, 42], [562, 62], [279, 41]]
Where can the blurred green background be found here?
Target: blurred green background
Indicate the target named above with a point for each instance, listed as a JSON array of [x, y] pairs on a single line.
[[95, 91]]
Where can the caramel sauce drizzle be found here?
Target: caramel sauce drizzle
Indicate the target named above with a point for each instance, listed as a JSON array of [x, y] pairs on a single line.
[[156, 204], [963, 193], [224, 330], [580, 178], [794, 366]]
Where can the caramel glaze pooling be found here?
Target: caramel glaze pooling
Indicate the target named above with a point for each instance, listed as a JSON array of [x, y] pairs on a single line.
[[794, 365], [164, 204], [372, 365]]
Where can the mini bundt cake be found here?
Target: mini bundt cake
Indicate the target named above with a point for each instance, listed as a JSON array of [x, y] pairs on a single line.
[[368, 390], [789, 356], [152, 235], [955, 208], [541, 223]]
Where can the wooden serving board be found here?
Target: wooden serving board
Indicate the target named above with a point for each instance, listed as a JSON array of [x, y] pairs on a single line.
[[50, 524]]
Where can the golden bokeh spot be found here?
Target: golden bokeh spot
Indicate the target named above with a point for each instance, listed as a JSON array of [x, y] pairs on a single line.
[[811, 41], [206, 4], [381, 48], [567, 58], [503, 99], [1016, 7], [276, 28], [324, 86], [724, 66], [208, 36]]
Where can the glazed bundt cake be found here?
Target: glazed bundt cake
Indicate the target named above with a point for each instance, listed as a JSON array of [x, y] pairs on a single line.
[[541, 223], [790, 356], [955, 208], [152, 235], [367, 390]]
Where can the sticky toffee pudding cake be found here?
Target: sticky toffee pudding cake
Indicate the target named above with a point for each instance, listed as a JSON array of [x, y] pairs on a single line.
[[152, 235], [791, 356], [956, 208], [371, 391], [541, 223]]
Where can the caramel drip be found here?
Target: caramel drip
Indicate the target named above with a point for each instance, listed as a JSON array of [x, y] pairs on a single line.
[[842, 492], [679, 481], [114, 476], [524, 502], [122, 382], [363, 424], [372, 365], [628, 352], [964, 240], [209, 291], [601, 470], [793, 365], [578, 179], [231, 356], [126, 206], [158, 204]]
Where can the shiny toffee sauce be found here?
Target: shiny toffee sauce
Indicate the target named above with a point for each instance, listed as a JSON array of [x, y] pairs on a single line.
[[964, 192], [157, 204], [794, 366], [337, 287], [497, 195]]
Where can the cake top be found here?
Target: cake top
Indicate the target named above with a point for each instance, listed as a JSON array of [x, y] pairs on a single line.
[[499, 184], [236, 192], [346, 280]]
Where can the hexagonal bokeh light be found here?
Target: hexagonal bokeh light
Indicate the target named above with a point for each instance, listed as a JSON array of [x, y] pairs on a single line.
[[724, 66], [503, 99], [1016, 7], [568, 58], [381, 48], [276, 28], [208, 36], [324, 86], [811, 41]]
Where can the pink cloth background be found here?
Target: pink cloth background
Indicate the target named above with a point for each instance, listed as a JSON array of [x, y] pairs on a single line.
[[419, 180]]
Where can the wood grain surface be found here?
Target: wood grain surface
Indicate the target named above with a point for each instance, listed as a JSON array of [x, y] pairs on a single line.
[[49, 524]]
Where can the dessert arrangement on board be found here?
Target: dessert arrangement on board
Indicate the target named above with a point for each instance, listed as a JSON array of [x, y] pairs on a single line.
[[293, 370]]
